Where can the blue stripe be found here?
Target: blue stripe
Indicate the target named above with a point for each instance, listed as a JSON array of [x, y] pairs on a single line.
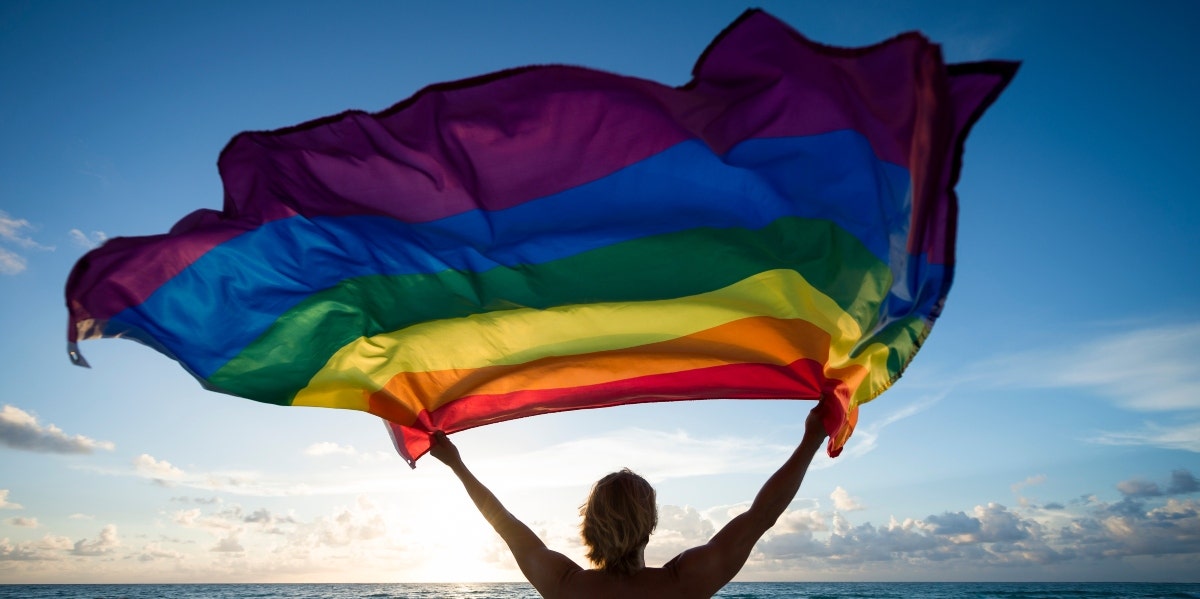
[[253, 279]]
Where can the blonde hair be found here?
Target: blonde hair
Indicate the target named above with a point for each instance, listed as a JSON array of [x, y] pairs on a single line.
[[618, 518]]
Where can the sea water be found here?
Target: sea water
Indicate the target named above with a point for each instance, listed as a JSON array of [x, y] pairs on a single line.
[[735, 590]]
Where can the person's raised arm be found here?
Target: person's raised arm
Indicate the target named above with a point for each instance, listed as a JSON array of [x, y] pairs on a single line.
[[707, 568], [544, 568]]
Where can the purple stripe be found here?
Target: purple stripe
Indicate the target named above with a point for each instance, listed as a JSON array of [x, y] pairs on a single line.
[[971, 90], [503, 139]]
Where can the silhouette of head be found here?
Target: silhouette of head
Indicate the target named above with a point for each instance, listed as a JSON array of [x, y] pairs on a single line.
[[618, 518]]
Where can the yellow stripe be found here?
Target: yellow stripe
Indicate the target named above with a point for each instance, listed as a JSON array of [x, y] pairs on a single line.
[[523, 335], [753, 340]]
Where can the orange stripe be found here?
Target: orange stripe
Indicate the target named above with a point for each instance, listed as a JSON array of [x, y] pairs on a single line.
[[752, 340]]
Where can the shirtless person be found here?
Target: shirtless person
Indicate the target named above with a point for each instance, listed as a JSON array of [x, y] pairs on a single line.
[[618, 518]]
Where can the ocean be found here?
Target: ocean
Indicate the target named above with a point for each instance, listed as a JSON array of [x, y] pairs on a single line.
[[735, 590]]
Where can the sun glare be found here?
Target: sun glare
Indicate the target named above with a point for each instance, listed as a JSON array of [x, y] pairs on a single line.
[[457, 545]]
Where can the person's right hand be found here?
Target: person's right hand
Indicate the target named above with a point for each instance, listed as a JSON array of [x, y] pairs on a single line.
[[814, 425], [444, 450]]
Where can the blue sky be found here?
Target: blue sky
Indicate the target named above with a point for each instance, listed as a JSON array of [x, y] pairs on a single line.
[[1048, 430]]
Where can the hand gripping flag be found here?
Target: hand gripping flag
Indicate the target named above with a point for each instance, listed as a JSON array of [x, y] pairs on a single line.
[[556, 238]]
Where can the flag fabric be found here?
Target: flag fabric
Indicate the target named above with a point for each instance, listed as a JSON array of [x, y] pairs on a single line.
[[555, 238]]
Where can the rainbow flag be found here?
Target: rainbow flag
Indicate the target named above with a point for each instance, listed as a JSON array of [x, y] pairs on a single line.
[[556, 238]]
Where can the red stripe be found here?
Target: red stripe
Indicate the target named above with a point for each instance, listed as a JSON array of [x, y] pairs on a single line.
[[802, 379]]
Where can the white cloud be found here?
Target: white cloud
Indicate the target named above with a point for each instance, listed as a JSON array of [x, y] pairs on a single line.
[[842, 501], [251, 483], [1174, 436], [229, 544], [21, 430], [5, 504], [329, 448], [349, 525], [23, 522], [14, 231], [866, 438], [86, 240], [679, 528], [1115, 366], [105, 544], [655, 455], [161, 471], [1148, 522], [1029, 482], [78, 516], [10, 263], [48, 548], [153, 552]]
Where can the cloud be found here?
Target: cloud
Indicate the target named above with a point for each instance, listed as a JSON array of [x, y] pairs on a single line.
[[328, 448], [201, 500], [349, 525], [23, 522], [232, 521], [14, 231], [842, 501], [1115, 366], [229, 519], [229, 544], [656, 455], [1182, 483], [78, 516], [5, 504], [679, 528], [1147, 522], [48, 548], [1139, 488], [1177, 436], [21, 430], [86, 240], [866, 438], [11, 263], [262, 536], [269, 522], [152, 552], [160, 471], [105, 544], [1029, 482], [250, 483]]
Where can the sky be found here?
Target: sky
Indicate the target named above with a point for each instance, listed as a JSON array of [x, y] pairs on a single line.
[[1048, 430]]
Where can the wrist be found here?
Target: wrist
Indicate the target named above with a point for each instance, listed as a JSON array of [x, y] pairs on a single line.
[[813, 442]]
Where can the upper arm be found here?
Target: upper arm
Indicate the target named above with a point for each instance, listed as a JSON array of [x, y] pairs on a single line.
[[545, 569], [709, 567]]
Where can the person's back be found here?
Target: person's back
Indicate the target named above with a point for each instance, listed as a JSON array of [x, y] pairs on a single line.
[[619, 517], [648, 583]]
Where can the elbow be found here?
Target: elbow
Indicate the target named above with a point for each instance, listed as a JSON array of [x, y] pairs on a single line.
[[762, 520]]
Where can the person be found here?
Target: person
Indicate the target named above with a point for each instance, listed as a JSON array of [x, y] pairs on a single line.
[[618, 518]]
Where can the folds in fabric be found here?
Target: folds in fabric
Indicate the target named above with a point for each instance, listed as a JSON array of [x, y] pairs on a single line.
[[556, 238]]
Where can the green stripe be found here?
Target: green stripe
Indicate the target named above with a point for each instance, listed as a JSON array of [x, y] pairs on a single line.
[[279, 363], [902, 338]]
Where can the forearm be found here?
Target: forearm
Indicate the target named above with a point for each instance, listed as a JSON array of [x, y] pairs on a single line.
[[484, 499], [779, 490], [512, 530]]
